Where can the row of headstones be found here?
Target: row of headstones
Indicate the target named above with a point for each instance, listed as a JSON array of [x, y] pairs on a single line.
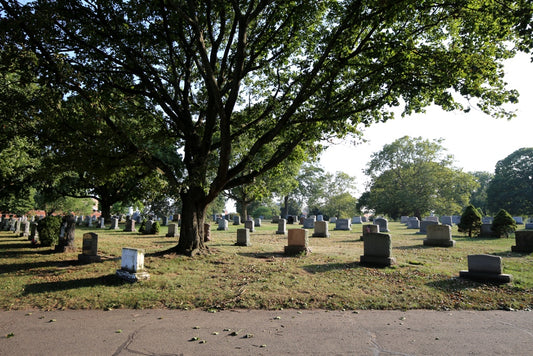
[[19, 226], [377, 252]]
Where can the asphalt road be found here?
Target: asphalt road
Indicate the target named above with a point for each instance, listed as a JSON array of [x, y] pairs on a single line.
[[257, 332]]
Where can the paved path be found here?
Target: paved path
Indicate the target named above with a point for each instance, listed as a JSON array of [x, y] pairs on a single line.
[[307, 332]]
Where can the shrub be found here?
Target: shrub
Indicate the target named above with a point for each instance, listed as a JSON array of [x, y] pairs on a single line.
[[503, 224], [49, 229], [470, 221], [156, 227]]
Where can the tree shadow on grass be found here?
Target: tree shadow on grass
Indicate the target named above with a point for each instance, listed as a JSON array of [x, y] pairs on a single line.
[[331, 267], [108, 281], [263, 255], [29, 266], [412, 247], [353, 240], [455, 284], [510, 254]]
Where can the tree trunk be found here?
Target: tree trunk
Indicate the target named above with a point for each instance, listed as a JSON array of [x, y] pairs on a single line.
[[105, 209], [191, 240], [244, 211], [285, 211]]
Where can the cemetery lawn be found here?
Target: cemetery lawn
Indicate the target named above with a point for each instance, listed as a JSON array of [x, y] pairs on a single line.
[[260, 276]]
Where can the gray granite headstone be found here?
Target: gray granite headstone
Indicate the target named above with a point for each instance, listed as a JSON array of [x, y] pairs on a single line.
[[485, 268]]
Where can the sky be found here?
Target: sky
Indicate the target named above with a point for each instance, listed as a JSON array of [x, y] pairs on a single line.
[[476, 140]]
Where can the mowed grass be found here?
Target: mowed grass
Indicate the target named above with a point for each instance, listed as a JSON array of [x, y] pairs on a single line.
[[260, 276]]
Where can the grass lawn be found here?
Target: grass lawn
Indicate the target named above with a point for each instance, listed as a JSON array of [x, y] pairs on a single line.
[[260, 276]]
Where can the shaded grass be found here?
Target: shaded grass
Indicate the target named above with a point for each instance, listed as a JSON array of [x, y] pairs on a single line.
[[260, 276]]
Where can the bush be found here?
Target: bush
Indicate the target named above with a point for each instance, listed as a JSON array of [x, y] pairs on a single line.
[[470, 221], [156, 227], [49, 229], [503, 224]]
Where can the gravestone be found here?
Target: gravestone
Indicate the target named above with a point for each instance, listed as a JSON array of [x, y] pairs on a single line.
[[164, 221], [529, 224], [301, 220], [236, 220], [250, 225], [132, 265], [431, 218], [456, 219], [343, 224], [320, 217], [413, 223], [275, 219], [243, 237], [369, 229], [16, 230], [446, 220], [364, 219], [404, 219], [223, 225], [524, 241], [486, 231], [172, 230], [34, 233], [333, 219], [519, 220], [377, 250], [148, 227], [357, 220], [383, 224], [282, 227], [25, 229], [257, 222], [291, 219], [114, 224], [89, 250], [439, 235], [102, 223], [130, 226], [485, 268], [298, 242], [309, 223], [321, 229], [424, 225]]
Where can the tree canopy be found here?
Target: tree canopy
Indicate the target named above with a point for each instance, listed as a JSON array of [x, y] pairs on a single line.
[[511, 188], [200, 76], [413, 176]]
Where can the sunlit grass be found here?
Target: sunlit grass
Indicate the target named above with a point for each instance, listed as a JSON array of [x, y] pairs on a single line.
[[260, 276]]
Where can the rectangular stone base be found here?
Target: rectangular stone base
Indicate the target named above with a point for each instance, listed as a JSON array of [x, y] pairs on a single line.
[[377, 261], [281, 232], [88, 258], [486, 277], [132, 277], [319, 234], [296, 250], [439, 243], [242, 243], [521, 249]]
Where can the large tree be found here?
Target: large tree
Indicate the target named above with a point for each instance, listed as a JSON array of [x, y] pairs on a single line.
[[284, 73], [512, 186], [413, 176]]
